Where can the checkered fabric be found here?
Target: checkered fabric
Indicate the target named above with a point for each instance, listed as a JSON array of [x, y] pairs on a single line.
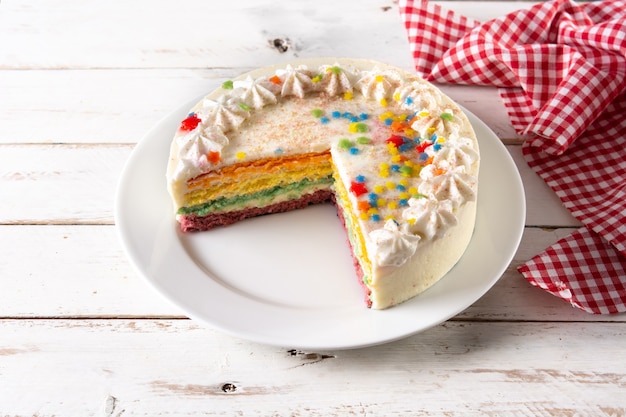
[[561, 72]]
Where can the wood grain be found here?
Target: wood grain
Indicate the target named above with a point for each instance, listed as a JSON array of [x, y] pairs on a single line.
[[82, 334], [165, 367]]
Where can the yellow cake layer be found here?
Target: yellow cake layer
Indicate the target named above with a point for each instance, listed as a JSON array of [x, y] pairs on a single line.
[[256, 176], [352, 224]]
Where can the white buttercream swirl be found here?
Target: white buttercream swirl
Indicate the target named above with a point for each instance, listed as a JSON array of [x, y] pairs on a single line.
[[391, 245], [453, 184], [256, 93], [457, 151], [442, 123], [226, 112], [335, 80], [429, 217], [295, 81], [418, 96], [378, 85], [193, 149]]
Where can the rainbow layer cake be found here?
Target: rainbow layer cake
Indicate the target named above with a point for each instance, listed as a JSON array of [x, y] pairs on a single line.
[[398, 158]]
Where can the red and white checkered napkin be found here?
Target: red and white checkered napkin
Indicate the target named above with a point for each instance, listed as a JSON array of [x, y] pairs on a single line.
[[561, 72]]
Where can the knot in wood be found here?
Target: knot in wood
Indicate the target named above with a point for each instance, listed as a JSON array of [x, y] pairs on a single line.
[[228, 387]]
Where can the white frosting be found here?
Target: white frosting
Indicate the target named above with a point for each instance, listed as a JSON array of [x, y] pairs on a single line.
[[418, 96], [226, 112], [442, 123], [194, 148], [457, 151], [446, 183], [392, 246], [295, 81], [335, 80], [256, 93], [454, 184], [429, 217], [378, 85]]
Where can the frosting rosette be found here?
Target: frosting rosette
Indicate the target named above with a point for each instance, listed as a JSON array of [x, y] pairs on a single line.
[[295, 81], [335, 80], [195, 149], [391, 245], [225, 112], [452, 184], [378, 85], [418, 96], [429, 217], [256, 93]]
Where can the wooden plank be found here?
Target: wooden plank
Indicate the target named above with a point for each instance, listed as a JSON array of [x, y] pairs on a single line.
[[72, 271], [198, 34], [194, 34], [543, 207], [82, 271], [96, 106], [165, 367], [59, 184]]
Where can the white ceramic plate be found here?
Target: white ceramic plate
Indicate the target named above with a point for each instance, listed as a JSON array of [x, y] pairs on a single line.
[[287, 279]]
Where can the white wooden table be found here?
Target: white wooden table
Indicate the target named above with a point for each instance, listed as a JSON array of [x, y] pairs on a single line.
[[82, 335]]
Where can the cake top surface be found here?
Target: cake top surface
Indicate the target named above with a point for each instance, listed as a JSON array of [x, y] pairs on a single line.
[[406, 152]]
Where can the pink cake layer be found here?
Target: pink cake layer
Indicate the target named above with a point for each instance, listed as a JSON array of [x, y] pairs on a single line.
[[355, 262]]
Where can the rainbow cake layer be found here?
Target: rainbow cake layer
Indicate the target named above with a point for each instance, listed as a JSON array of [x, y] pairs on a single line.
[[398, 158]]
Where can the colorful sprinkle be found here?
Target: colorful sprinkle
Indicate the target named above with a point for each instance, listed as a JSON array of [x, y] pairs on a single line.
[[383, 102], [213, 157], [358, 127], [379, 78], [360, 178], [227, 85], [244, 107], [335, 70], [375, 217], [447, 117], [395, 140], [317, 78], [324, 120], [336, 114], [276, 80], [363, 205], [364, 116], [354, 151], [344, 144], [240, 155], [358, 188], [386, 115], [362, 140], [422, 146], [190, 123], [348, 95], [317, 113]]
